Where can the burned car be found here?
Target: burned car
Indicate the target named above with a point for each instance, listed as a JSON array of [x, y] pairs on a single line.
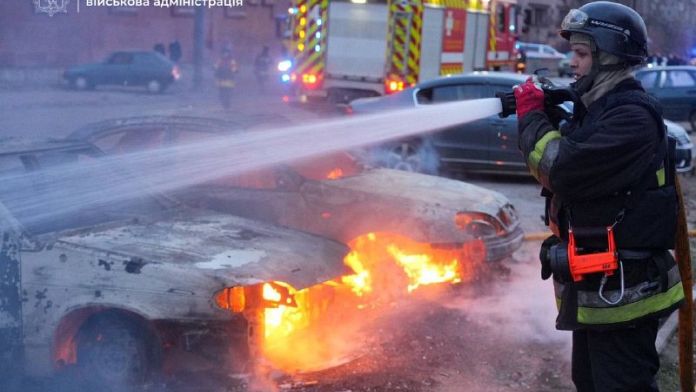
[[333, 196], [99, 274]]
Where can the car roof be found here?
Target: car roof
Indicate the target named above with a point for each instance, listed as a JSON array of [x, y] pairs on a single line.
[[12, 145], [479, 76]]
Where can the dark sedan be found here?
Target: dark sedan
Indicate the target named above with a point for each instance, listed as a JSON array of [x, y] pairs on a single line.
[[149, 69], [488, 145], [675, 88]]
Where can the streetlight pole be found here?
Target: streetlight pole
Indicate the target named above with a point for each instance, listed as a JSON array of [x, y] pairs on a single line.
[[198, 42]]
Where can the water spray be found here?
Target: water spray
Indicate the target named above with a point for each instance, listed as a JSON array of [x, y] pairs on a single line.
[[76, 186]]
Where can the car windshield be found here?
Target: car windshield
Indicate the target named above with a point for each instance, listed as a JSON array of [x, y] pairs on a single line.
[[62, 189]]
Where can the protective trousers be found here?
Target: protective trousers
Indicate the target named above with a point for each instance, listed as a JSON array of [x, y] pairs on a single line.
[[618, 360]]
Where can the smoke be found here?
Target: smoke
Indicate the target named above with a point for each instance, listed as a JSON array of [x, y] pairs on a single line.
[[520, 306], [417, 155]]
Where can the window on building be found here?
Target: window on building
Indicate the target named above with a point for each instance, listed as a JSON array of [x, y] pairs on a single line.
[[536, 15]]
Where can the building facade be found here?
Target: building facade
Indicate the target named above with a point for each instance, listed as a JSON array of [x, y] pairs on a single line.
[[31, 38]]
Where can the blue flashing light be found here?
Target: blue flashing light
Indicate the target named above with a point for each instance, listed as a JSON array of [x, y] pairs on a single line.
[[319, 22], [285, 78], [317, 48], [318, 35]]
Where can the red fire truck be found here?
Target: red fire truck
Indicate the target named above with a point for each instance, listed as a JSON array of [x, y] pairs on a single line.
[[502, 36], [349, 49]]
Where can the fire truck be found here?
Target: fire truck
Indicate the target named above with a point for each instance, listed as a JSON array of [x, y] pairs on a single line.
[[348, 49]]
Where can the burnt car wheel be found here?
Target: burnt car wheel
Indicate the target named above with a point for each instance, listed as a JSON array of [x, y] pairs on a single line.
[[112, 350]]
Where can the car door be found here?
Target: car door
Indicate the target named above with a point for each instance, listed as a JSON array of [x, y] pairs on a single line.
[[146, 67], [677, 93], [464, 145], [117, 69]]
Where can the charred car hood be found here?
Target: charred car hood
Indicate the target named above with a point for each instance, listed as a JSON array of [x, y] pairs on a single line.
[[236, 250], [423, 189]]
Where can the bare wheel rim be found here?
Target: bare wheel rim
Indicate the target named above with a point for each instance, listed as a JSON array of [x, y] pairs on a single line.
[[404, 157]]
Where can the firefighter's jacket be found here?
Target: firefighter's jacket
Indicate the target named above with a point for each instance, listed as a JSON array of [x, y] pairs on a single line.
[[610, 165]]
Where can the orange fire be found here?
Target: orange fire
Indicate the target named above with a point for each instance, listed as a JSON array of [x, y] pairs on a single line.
[[321, 326], [335, 174]]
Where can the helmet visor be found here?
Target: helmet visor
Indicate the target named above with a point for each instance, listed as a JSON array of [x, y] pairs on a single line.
[[575, 19]]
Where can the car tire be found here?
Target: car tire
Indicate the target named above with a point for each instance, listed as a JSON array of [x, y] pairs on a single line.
[[112, 350], [155, 86], [82, 83]]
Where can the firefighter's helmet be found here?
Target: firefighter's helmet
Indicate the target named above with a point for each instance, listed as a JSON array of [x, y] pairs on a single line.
[[615, 29]]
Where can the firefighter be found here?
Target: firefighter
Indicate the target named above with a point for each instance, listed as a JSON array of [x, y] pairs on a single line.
[[606, 173], [262, 66], [225, 71]]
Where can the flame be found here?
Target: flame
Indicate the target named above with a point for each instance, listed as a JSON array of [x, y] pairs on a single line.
[[320, 326], [335, 174], [422, 270], [360, 282]]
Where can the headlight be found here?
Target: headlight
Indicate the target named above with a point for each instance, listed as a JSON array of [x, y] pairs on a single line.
[[478, 224], [231, 298]]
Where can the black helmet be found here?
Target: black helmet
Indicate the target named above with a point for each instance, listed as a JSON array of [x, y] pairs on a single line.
[[615, 29]]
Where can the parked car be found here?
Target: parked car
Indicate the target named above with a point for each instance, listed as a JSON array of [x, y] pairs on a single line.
[[539, 56], [488, 145], [125, 68], [335, 196], [116, 287], [564, 65], [675, 88]]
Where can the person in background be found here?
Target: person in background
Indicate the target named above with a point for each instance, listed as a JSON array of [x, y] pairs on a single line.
[[262, 67], [225, 72], [175, 51]]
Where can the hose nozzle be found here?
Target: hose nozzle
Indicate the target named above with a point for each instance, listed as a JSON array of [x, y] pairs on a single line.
[[553, 95], [507, 101]]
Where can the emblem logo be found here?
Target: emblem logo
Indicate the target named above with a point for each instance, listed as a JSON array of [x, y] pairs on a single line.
[[51, 7]]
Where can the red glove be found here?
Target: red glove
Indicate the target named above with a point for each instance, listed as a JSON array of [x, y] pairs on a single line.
[[528, 97]]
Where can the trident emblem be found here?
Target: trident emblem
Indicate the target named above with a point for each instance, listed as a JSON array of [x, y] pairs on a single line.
[[51, 7]]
